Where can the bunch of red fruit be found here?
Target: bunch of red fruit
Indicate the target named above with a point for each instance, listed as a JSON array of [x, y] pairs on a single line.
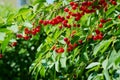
[[28, 33]]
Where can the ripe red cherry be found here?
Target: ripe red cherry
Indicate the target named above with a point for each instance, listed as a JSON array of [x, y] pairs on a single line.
[[66, 9], [74, 7], [27, 31], [37, 29], [80, 41], [33, 31], [95, 38], [119, 16], [66, 39], [68, 17], [75, 45], [14, 44], [100, 25], [26, 37], [41, 21], [97, 31], [19, 36], [114, 2], [102, 21], [1, 56], [59, 50], [100, 36], [72, 3]]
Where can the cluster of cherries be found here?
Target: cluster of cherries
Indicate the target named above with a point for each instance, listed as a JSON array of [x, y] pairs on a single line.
[[86, 7], [28, 33]]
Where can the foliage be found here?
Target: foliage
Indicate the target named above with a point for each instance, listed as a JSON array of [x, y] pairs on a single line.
[[66, 40]]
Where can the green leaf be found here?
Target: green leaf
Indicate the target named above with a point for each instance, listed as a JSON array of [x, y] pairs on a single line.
[[106, 74], [93, 64], [102, 46], [57, 66], [5, 42], [105, 63], [42, 71]]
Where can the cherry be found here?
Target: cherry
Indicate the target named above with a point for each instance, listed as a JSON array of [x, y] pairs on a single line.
[[33, 31], [75, 45], [26, 37], [66, 9], [68, 17], [100, 25], [27, 31], [37, 29], [95, 38], [41, 21], [14, 44], [1, 56], [102, 21], [80, 41], [66, 39], [19, 36], [97, 31], [59, 50], [72, 3], [119, 16], [114, 2], [74, 7]]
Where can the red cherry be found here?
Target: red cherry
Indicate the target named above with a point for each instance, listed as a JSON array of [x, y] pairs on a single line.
[[33, 31], [68, 17], [66, 9], [102, 21], [41, 21], [19, 36], [114, 2], [80, 41], [97, 31], [1, 56], [70, 45], [95, 38], [74, 7], [75, 45], [100, 25], [119, 16], [59, 50], [72, 3], [14, 44], [26, 37], [100, 36], [27, 31], [69, 49], [66, 39], [37, 29]]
